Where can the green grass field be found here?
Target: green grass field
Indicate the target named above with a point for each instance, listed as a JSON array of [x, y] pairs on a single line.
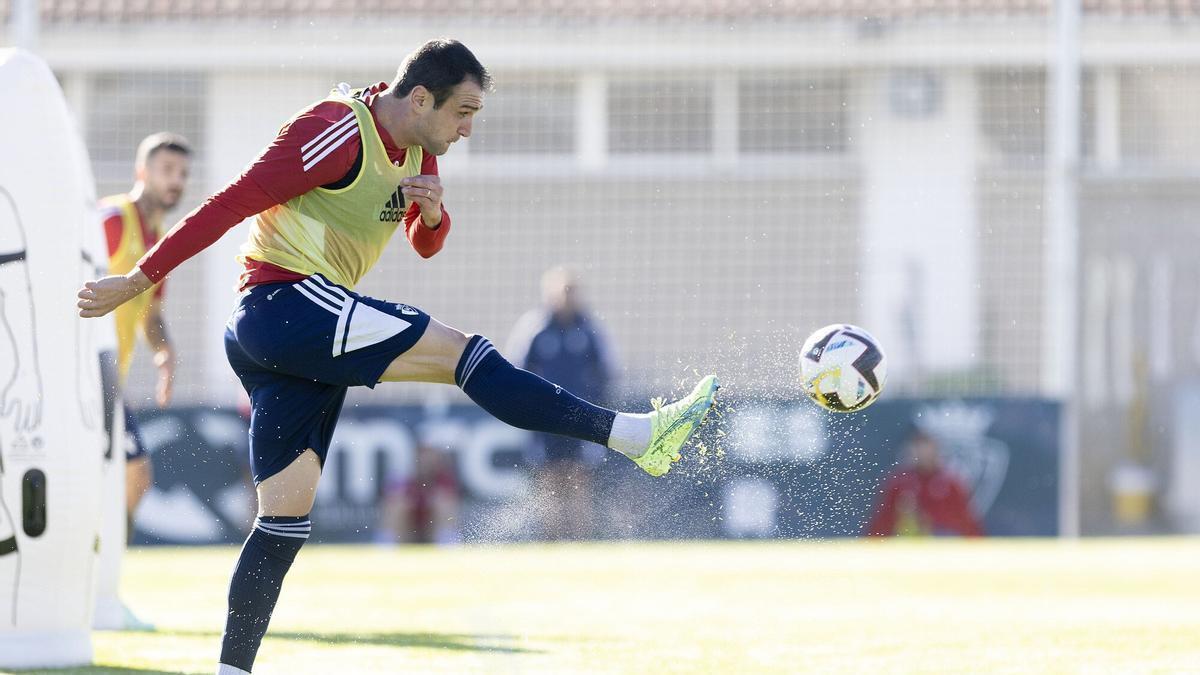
[[1119, 606]]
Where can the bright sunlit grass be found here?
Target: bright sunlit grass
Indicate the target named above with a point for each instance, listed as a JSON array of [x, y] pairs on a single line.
[[1121, 606]]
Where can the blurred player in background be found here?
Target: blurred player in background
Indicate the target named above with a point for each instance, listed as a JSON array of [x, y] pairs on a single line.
[[423, 508], [338, 180], [133, 223], [923, 497], [563, 343]]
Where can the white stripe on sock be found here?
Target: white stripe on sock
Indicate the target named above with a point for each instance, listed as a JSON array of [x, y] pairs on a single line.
[[479, 360], [476, 354], [471, 357], [302, 524], [272, 526], [271, 530], [283, 534], [226, 669]]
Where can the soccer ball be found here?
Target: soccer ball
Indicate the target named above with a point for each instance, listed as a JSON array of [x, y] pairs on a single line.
[[842, 368]]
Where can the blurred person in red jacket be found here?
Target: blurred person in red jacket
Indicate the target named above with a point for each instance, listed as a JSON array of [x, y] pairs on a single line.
[[923, 497], [424, 507]]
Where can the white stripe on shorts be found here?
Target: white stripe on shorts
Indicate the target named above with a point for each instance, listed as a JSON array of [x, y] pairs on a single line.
[[331, 288], [321, 302], [334, 299]]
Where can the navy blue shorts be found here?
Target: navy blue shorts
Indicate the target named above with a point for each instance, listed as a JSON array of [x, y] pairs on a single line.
[[134, 447], [297, 347]]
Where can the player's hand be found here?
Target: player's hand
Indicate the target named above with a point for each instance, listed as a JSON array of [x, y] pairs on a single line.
[[164, 359], [426, 192], [102, 296]]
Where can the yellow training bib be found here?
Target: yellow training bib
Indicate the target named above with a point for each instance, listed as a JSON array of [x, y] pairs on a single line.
[[338, 233], [128, 252]]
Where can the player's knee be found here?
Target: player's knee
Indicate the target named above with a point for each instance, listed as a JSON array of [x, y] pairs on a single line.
[[291, 492], [451, 340]]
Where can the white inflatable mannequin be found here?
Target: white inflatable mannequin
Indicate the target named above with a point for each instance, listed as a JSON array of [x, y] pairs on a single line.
[[51, 444]]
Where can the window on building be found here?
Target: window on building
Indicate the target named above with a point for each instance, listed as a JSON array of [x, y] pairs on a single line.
[[792, 113], [660, 115]]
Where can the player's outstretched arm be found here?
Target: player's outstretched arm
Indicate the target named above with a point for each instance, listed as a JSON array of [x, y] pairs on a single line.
[[102, 296], [277, 175]]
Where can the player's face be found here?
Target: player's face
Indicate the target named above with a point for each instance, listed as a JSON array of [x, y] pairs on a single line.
[[165, 176], [453, 120]]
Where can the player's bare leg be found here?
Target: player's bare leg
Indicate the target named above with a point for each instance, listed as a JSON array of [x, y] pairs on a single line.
[[291, 492], [432, 359], [139, 475]]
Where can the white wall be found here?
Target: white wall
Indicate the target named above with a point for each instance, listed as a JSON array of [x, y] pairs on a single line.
[[919, 224]]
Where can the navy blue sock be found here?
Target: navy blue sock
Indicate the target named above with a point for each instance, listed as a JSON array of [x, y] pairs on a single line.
[[266, 558], [524, 400]]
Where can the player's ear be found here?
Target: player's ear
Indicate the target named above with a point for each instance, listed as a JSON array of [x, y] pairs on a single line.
[[420, 96]]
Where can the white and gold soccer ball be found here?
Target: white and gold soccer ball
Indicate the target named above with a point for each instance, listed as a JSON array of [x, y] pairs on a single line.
[[842, 368]]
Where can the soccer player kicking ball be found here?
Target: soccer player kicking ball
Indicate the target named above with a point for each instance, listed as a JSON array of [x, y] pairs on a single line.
[[328, 194]]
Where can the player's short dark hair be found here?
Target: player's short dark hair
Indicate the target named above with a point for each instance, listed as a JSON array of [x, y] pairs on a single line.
[[163, 140], [440, 66]]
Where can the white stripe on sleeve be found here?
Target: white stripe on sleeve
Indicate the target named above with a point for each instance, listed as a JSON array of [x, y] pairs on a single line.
[[323, 134], [337, 143]]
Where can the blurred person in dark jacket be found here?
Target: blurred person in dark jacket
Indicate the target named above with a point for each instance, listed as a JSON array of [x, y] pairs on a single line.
[[923, 498], [565, 344]]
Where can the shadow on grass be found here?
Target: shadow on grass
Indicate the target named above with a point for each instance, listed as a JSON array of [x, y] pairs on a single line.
[[459, 642], [448, 641], [96, 670]]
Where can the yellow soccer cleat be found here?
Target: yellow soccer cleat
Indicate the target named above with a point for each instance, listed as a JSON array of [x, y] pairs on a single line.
[[672, 425]]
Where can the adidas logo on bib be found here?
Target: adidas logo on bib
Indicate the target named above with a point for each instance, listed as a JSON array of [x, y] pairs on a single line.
[[393, 211]]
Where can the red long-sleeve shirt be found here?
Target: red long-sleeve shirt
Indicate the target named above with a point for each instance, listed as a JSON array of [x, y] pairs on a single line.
[[280, 173], [938, 498]]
